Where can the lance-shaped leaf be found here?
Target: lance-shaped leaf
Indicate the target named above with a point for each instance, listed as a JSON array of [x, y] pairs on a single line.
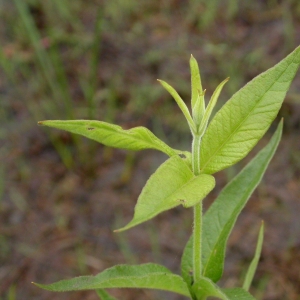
[[212, 103], [180, 103], [243, 120], [104, 295], [222, 214], [252, 268], [196, 84], [172, 184], [112, 135], [149, 276]]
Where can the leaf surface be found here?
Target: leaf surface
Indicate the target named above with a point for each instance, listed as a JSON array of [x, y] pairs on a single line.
[[112, 135], [172, 184], [151, 276], [220, 218], [243, 120]]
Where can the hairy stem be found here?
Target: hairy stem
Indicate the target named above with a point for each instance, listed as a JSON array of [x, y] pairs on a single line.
[[197, 234]]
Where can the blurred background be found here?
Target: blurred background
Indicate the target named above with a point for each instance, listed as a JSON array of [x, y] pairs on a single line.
[[61, 196]]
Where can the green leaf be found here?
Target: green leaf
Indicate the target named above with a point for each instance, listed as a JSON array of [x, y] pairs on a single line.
[[212, 103], [252, 268], [172, 184], [196, 83], [243, 120], [199, 110], [180, 103], [104, 295], [206, 288], [222, 214], [150, 276], [112, 135], [237, 294]]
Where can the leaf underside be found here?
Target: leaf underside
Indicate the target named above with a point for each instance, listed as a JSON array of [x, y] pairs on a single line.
[[243, 120], [137, 138]]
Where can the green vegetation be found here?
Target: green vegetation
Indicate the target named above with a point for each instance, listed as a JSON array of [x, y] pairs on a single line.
[[100, 61], [186, 178]]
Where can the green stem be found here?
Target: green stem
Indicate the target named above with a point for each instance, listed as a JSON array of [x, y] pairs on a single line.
[[197, 234]]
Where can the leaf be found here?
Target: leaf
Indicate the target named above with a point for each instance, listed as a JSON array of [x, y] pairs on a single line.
[[103, 295], [237, 294], [150, 276], [243, 120], [172, 184], [212, 103], [112, 135], [206, 288], [180, 103], [222, 214], [195, 80], [252, 268], [197, 102]]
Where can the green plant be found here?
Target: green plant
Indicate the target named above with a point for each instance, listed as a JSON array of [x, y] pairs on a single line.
[[186, 178]]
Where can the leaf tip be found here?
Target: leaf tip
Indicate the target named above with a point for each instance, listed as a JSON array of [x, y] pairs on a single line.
[[120, 229], [40, 123], [36, 284]]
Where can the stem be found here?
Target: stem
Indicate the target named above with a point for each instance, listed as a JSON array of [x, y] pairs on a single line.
[[197, 234]]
